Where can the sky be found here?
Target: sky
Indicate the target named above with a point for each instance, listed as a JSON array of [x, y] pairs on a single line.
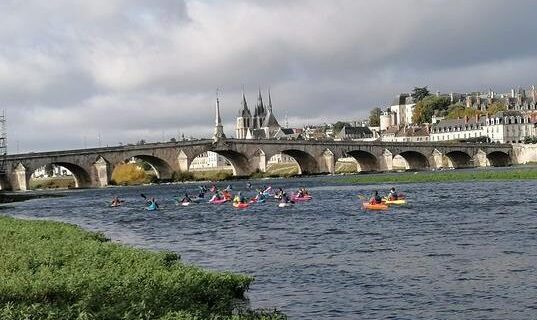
[[74, 74]]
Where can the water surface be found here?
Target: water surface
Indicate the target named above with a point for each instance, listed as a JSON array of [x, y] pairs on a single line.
[[457, 251]]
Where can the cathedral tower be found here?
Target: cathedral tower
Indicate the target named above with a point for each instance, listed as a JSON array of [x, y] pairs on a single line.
[[244, 120]]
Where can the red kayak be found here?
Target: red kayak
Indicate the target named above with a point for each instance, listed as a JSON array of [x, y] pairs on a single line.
[[306, 197], [240, 205], [217, 201]]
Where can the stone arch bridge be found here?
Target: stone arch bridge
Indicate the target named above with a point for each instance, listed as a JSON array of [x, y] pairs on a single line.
[[94, 167]]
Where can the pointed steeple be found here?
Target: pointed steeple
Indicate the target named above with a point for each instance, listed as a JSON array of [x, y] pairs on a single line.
[[219, 128], [260, 108], [244, 111], [269, 101]]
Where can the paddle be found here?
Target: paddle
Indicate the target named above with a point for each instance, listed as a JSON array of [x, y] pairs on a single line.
[[143, 196]]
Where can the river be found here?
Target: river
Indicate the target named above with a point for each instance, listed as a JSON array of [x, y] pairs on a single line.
[[456, 251]]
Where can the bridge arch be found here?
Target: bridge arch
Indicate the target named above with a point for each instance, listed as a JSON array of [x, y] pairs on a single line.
[[81, 176], [239, 162], [307, 164], [459, 159], [162, 169], [499, 159], [415, 160], [366, 161]]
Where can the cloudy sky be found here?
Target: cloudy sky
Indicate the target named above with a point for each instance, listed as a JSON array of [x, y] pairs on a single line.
[[146, 69]]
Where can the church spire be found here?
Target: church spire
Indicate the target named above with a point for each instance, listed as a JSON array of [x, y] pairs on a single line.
[[219, 128], [269, 107]]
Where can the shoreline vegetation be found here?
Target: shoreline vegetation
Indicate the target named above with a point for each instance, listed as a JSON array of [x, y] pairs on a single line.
[[519, 173], [52, 270]]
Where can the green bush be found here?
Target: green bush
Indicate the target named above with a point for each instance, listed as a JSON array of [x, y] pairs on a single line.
[[55, 271]]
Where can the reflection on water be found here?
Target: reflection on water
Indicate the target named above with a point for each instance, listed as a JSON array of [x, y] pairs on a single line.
[[457, 251]]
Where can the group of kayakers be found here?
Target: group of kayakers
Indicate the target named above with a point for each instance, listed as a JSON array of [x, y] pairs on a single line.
[[392, 196], [262, 195]]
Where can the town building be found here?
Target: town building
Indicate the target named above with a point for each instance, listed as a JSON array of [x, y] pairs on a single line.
[[518, 100], [354, 134], [209, 161], [503, 127], [406, 134]]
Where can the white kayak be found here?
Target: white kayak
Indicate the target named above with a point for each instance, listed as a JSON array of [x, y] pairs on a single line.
[[284, 205]]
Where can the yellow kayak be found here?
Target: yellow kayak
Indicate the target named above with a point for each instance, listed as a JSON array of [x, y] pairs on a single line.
[[396, 202]]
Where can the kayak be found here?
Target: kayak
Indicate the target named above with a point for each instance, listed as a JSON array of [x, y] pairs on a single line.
[[379, 206], [185, 204], [285, 204], [217, 201], [240, 205], [396, 202], [255, 200], [306, 197]]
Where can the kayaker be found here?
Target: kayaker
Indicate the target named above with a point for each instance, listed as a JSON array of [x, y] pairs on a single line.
[[214, 188], [239, 198], [375, 199], [393, 195], [284, 198], [248, 186], [152, 202], [201, 194], [226, 194], [116, 202], [186, 198], [260, 196]]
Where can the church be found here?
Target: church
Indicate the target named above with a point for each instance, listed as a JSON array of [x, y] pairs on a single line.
[[263, 123]]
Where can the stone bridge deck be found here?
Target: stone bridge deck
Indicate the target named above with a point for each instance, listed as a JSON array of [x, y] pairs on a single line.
[[94, 167]]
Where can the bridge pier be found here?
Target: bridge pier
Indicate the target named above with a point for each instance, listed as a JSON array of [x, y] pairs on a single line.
[[480, 159], [259, 161], [385, 161], [103, 173], [436, 160], [20, 178], [327, 162]]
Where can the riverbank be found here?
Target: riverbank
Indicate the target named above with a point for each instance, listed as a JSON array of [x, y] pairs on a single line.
[[446, 176], [53, 270], [19, 197]]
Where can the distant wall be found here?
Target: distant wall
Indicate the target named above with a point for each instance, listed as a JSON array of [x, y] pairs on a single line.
[[524, 153]]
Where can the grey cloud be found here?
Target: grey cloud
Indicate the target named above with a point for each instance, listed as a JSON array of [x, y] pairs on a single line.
[[132, 69]]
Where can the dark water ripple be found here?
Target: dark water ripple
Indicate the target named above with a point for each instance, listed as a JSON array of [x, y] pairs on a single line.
[[465, 251]]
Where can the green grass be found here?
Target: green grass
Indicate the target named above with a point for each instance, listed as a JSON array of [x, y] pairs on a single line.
[[56, 271], [446, 176]]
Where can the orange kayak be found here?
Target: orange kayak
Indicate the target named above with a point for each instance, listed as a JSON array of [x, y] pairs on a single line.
[[369, 206]]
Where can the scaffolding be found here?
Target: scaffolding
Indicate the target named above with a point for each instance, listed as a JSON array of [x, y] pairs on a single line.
[[3, 142]]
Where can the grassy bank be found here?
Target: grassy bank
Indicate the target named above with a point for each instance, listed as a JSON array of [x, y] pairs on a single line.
[[52, 271], [445, 176]]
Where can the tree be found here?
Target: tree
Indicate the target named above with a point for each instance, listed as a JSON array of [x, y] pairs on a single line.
[[496, 107], [374, 117], [425, 108], [419, 93], [459, 110]]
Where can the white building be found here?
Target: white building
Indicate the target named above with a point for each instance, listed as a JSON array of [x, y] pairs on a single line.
[[402, 108], [504, 127], [406, 134], [209, 160]]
